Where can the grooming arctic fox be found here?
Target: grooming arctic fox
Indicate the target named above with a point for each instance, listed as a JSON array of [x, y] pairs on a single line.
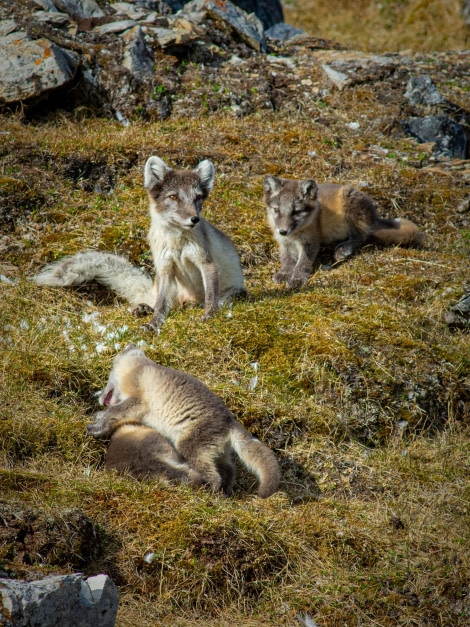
[[303, 215], [145, 454], [182, 409], [194, 261]]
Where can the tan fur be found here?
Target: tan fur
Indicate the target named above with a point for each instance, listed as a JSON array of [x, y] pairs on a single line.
[[303, 215], [145, 454], [184, 411]]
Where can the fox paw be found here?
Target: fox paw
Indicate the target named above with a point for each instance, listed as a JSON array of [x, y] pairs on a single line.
[[280, 277], [343, 251], [209, 314], [297, 280], [142, 310], [153, 326], [95, 430]]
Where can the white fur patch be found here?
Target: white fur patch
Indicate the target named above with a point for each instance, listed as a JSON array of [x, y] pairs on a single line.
[[155, 170], [206, 171]]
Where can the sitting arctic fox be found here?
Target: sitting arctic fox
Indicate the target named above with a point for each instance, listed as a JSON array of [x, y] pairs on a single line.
[[194, 261]]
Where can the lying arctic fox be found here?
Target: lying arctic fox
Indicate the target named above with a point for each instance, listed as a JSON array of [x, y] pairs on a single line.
[[303, 215], [182, 409], [145, 454]]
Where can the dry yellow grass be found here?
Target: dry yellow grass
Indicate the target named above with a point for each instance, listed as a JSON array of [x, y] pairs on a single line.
[[363, 391], [371, 523], [389, 26]]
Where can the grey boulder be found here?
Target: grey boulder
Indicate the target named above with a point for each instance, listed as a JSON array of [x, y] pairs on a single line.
[[30, 69], [62, 600]]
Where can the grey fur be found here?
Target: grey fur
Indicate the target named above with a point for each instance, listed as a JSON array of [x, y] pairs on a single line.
[[303, 215]]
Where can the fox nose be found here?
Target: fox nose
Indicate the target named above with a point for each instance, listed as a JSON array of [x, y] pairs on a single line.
[[282, 232], [195, 219]]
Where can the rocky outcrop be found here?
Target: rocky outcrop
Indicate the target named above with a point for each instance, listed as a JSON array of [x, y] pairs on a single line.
[[31, 69], [138, 60], [68, 600], [448, 137]]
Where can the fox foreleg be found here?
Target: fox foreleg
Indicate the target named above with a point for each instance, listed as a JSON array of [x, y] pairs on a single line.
[[288, 262], [304, 266], [130, 411], [166, 293], [210, 277]]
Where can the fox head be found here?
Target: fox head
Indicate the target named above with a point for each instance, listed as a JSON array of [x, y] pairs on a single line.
[[290, 204], [178, 195], [115, 391]]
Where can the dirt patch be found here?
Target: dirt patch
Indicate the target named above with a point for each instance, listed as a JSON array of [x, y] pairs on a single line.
[[65, 538]]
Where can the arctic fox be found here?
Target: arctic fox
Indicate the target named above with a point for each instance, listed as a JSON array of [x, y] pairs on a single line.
[[145, 454], [194, 261], [303, 215], [182, 409]]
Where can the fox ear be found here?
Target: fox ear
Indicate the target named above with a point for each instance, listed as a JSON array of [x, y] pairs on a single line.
[[309, 189], [206, 172], [155, 170], [271, 184]]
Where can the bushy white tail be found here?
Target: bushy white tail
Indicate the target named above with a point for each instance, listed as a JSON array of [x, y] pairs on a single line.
[[258, 458], [112, 271]]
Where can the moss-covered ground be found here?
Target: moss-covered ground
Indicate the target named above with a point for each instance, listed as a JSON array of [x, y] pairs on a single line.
[[362, 390]]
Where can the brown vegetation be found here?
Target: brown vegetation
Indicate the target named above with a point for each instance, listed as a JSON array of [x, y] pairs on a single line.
[[363, 392]]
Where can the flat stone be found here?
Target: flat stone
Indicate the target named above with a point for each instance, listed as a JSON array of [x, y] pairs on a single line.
[[114, 27], [82, 9], [339, 79], [7, 27], [30, 69], [347, 68], [180, 32], [55, 18], [246, 26]]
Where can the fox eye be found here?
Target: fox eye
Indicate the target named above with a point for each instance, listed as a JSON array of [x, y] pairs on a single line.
[[173, 197], [275, 209]]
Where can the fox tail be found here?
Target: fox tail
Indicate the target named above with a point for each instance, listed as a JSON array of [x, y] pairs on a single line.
[[258, 458], [111, 271]]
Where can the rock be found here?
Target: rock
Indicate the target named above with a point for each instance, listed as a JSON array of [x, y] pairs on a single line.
[[47, 5], [246, 27], [61, 600], [7, 27], [31, 69], [421, 90], [283, 31], [458, 316], [138, 58], [55, 18], [268, 11], [129, 10], [349, 68], [339, 79], [114, 27], [449, 137], [79, 9], [180, 33]]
